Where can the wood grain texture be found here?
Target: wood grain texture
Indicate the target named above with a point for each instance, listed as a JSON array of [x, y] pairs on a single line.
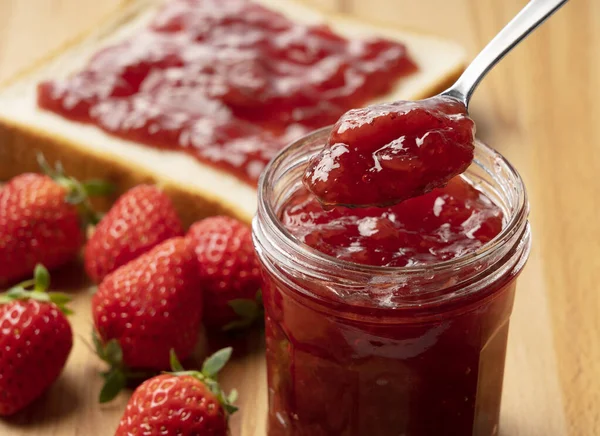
[[541, 108], [31, 29]]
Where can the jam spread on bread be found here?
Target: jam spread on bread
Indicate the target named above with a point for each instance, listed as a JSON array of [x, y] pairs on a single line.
[[386, 153], [228, 81]]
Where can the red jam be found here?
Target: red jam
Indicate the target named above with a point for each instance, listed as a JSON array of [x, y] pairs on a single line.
[[228, 81], [354, 358], [339, 371], [387, 153], [442, 225]]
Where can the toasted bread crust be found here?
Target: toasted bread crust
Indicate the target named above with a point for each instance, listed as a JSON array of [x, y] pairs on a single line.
[[19, 147]]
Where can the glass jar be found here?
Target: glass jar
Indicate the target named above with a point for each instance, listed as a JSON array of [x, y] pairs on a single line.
[[424, 356]]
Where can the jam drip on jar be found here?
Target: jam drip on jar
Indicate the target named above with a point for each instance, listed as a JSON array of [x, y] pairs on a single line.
[[387, 153], [444, 224], [228, 81]]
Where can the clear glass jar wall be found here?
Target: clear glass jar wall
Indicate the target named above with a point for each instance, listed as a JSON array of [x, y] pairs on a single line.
[[422, 354]]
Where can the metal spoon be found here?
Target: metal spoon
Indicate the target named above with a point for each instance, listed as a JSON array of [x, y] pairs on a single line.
[[525, 22], [392, 186]]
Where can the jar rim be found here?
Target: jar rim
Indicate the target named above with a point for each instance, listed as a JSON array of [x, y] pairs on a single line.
[[515, 224]]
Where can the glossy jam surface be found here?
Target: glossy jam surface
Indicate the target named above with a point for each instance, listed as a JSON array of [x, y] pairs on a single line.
[[387, 153], [442, 225], [228, 81]]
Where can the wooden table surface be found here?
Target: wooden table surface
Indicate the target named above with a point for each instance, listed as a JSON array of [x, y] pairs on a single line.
[[540, 107]]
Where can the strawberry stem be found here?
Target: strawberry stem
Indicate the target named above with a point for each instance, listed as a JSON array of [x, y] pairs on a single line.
[[115, 379], [41, 278], [208, 375], [117, 376], [78, 193], [40, 284]]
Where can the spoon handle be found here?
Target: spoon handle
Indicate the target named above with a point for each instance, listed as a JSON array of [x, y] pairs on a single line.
[[530, 17]]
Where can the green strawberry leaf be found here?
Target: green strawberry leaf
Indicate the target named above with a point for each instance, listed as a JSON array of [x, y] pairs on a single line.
[[37, 296], [110, 352], [39, 285], [233, 396], [176, 365], [46, 168], [78, 193], [249, 311], [230, 408], [213, 364], [213, 386], [245, 308], [75, 196], [59, 170], [17, 293], [193, 373], [41, 278], [114, 383], [99, 347], [113, 352], [59, 298], [118, 374], [97, 187]]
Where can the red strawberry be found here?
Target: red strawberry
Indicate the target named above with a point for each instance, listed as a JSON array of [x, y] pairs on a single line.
[[41, 221], [35, 341], [229, 270], [181, 403], [140, 219], [147, 307]]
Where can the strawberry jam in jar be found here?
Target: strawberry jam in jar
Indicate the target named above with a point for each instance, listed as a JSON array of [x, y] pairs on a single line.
[[389, 321]]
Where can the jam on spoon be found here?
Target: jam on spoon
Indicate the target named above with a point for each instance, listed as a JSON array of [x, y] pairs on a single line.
[[384, 154]]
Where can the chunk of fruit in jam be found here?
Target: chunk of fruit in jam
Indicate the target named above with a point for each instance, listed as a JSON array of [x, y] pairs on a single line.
[[384, 154], [444, 224]]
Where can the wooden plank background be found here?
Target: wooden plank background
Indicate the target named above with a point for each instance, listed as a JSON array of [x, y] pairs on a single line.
[[540, 107]]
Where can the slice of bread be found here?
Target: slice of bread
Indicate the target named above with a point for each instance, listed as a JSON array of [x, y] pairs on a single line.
[[197, 189]]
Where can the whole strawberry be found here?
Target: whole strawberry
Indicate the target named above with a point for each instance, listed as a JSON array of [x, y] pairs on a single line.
[[229, 271], [35, 341], [147, 307], [41, 221], [140, 219], [181, 403]]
